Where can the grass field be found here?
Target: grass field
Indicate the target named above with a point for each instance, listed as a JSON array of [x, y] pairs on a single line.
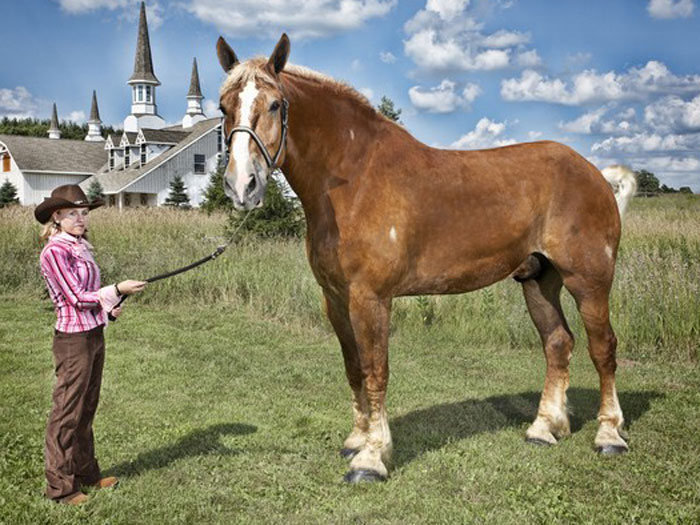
[[224, 398]]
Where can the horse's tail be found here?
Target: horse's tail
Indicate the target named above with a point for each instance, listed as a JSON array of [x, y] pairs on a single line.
[[624, 184]]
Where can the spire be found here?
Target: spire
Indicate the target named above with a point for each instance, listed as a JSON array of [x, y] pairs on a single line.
[[143, 63], [94, 133], [94, 111], [195, 90], [194, 111], [54, 131]]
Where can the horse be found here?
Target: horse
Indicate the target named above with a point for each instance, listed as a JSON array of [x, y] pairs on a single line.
[[388, 216]]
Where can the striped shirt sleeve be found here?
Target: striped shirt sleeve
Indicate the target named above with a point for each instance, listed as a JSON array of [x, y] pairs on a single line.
[[56, 268]]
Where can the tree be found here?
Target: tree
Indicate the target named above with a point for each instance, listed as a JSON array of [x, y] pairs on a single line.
[[647, 182], [214, 196], [280, 216], [685, 189], [386, 108], [178, 198], [38, 128], [95, 191], [8, 194]]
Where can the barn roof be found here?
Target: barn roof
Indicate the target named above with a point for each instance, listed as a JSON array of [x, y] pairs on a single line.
[[62, 155]]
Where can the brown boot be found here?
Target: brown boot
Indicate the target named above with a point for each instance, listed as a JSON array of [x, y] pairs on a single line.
[[107, 483], [75, 499]]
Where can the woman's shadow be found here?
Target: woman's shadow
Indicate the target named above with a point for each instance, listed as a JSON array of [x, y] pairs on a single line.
[[199, 442], [432, 428]]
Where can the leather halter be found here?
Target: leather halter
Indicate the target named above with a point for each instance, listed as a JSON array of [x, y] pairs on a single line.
[[271, 161]]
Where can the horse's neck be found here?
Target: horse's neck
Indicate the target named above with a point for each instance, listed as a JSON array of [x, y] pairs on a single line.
[[328, 135]]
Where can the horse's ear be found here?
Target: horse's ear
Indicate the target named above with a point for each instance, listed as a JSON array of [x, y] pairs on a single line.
[[279, 56], [227, 58]]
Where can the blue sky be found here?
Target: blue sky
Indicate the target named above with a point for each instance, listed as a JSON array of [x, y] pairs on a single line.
[[618, 80]]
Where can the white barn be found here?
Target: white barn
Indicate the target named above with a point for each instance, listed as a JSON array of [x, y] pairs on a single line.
[[134, 167]]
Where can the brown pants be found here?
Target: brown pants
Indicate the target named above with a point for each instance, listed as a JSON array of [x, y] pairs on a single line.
[[69, 450]]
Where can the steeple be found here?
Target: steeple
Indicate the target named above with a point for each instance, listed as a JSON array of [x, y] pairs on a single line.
[[194, 111], [143, 82], [94, 124], [54, 132], [143, 63]]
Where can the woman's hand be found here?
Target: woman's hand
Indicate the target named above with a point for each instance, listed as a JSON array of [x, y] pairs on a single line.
[[130, 287], [116, 312]]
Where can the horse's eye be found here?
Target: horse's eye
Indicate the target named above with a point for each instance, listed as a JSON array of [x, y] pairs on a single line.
[[274, 106]]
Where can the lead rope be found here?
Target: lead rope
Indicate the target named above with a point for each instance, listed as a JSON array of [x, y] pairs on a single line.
[[219, 250]]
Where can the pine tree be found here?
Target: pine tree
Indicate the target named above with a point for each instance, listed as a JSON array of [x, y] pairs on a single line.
[[214, 196], [95, 191], [280, 216], [178, 198], [8, 194], [386, 108]]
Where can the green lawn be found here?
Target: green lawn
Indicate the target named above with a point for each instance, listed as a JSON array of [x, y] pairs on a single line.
[[212, 415]]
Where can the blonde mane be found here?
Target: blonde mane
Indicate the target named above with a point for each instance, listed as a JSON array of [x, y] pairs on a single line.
[[254, 69]]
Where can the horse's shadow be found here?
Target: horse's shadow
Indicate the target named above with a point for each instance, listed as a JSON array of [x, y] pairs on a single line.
[[432, 428], [200, 442]]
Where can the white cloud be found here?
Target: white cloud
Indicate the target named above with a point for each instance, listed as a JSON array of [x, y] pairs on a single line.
[[299, 18], [128, 9], [670, 8], [446, 9], [356, 65], [672, 114], [77, 116], [534, 135], [592, 122], [589, 86], [444, 37], [443, 98], [211, 109], [529, 59], [387, 57], [648, 143], [486, 134], [367, 92], [17, 103]]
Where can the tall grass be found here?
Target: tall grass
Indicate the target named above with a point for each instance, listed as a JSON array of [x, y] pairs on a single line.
[[655, 302]]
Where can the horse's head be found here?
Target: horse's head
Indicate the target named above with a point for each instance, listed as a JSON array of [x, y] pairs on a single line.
[[254, 122]]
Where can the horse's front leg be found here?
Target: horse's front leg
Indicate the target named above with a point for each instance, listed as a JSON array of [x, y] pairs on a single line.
[[337, 310], [369, 320]]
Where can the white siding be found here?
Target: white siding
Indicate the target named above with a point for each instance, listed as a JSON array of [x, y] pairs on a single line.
[[158, 181], [39, 185]]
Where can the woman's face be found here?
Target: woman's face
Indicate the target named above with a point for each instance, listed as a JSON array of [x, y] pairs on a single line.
[[73, 220]]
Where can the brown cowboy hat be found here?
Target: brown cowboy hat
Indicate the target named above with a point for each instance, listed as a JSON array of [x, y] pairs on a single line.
[[66, 196]]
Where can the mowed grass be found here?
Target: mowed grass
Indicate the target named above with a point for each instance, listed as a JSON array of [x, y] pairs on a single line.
[[225, 401]]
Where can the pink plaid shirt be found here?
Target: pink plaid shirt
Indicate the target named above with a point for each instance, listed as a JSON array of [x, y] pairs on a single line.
[[73, 280]]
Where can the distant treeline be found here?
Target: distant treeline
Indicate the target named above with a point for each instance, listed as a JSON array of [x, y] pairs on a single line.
[[32, 127]]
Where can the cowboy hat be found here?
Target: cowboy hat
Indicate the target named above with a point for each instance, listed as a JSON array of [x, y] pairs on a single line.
[[66, 196]]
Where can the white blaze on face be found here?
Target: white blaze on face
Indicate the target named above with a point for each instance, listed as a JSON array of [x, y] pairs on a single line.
[[241, 141], [392, 234]]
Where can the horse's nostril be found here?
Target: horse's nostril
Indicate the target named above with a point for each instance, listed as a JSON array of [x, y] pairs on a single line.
[[251, 185]]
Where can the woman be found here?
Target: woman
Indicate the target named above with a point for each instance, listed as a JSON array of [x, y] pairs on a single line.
[[82, 307]]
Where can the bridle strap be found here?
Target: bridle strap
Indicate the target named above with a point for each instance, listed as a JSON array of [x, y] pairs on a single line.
[[269, 160]]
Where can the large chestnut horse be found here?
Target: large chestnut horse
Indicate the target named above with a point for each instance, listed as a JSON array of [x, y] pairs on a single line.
[[388, 216]]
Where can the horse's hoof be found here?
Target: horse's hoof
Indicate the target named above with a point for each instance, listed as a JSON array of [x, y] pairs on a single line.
[[357, 476], [611, 450], [538, 442], [349, 453]]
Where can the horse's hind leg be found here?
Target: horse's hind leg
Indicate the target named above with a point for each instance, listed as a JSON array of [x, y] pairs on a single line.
[[592, 297], [542, 298]]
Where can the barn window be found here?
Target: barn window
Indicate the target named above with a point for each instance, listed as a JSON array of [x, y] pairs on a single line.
[[6, 163], [199, 163], [219, 139], [127, 157], [148, 93], [144, 157], [140, 93], [144, 199], [111, 159]]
